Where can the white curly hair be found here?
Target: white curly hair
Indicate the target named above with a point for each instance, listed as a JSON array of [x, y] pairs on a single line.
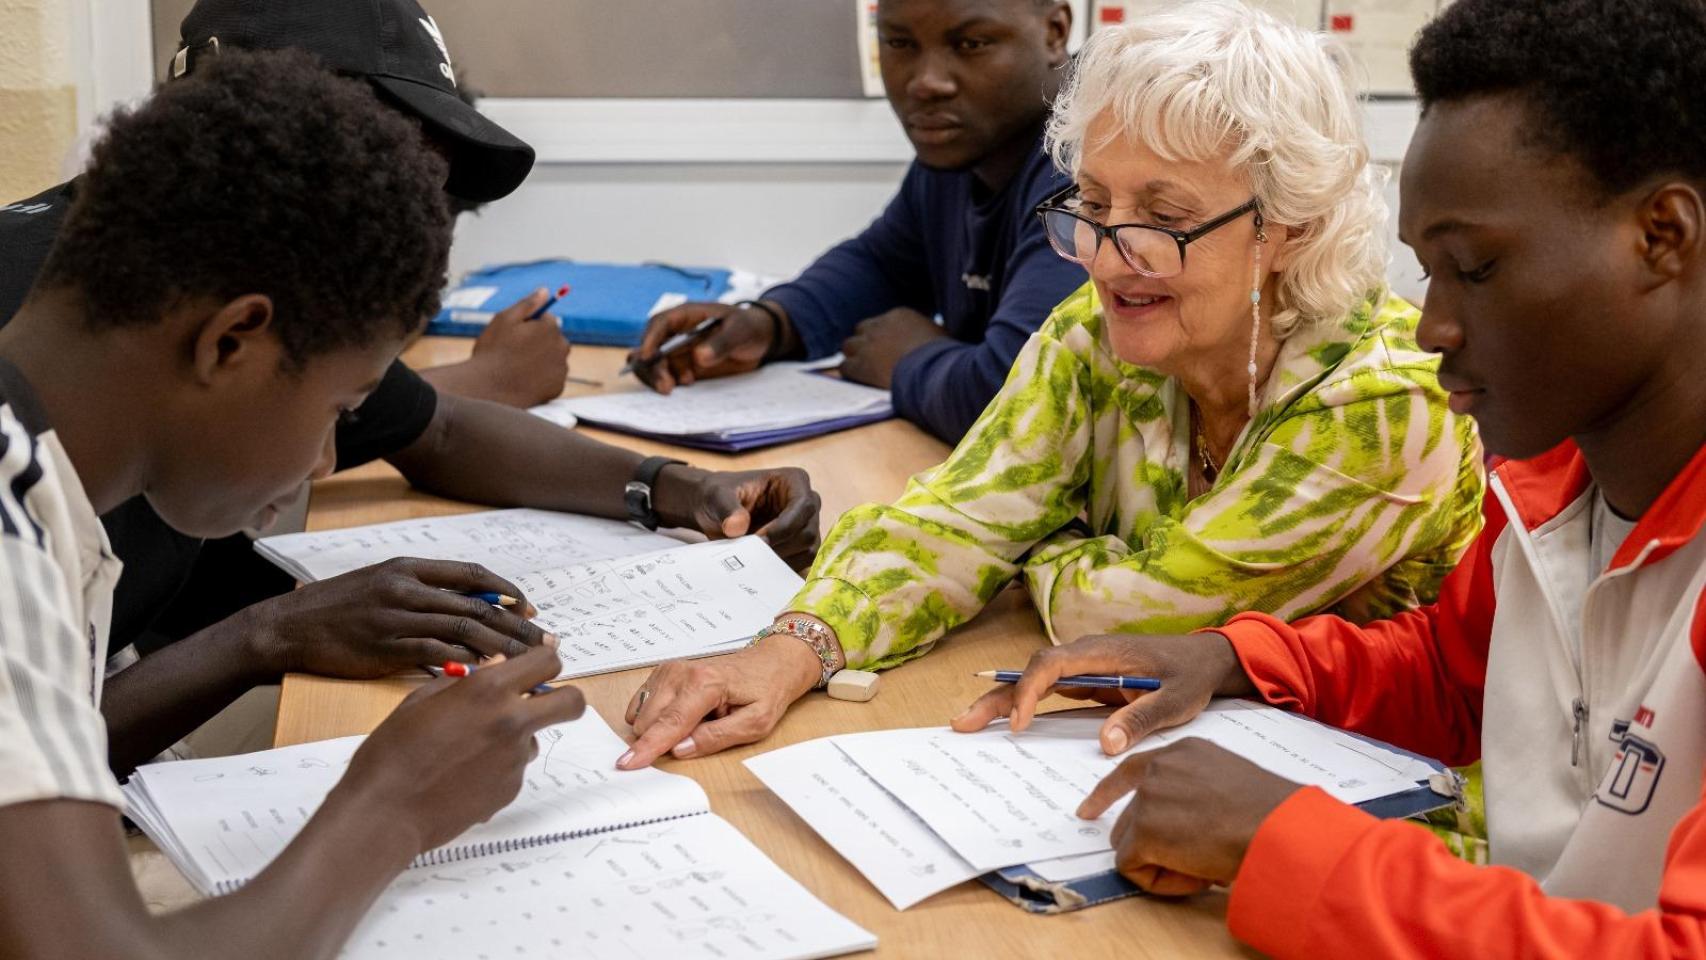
[[1212, 78]]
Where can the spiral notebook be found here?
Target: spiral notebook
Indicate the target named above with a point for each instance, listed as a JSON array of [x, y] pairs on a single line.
[[614, 863]]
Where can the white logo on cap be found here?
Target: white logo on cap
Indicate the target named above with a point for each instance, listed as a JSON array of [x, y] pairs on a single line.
[[431, 27]]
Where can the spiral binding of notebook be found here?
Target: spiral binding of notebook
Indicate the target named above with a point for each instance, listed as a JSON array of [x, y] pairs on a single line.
[[457, 854]]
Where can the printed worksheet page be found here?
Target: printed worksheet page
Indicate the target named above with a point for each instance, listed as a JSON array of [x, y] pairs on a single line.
[[895, 850], [507, 542], [1000, 798], [689, 601], [682, 890]]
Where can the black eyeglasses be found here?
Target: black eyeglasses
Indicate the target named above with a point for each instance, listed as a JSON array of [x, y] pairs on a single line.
[[1151, 250]]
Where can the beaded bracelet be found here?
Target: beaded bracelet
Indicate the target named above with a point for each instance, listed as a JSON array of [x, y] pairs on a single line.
[[814, 635]]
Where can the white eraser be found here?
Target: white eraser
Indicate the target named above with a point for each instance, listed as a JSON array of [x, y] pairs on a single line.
[[855, 685]]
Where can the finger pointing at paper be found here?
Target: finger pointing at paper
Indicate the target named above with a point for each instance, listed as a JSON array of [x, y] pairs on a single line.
[[1192, 669]]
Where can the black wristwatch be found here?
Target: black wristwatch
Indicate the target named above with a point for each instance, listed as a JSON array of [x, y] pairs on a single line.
[[638, 493]]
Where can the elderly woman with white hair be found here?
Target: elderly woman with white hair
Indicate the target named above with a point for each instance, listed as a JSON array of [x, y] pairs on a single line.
[[1231, 415]]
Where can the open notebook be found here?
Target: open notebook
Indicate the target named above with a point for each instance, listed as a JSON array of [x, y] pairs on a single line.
[[777, 403], [920, 810], [612, 597], [587, 859]]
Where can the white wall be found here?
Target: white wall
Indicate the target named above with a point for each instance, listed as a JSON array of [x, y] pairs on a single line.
[[759, 185], [763, 185], [767, 217]]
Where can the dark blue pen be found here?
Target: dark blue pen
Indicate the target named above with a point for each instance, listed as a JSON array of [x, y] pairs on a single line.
[[495, 599], [1081, 680]]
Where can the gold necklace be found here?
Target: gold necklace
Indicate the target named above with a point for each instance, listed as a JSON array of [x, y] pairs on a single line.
[[1210, 469]]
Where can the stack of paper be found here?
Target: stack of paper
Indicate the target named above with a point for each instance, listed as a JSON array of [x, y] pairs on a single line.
[[611, 606], [918, 811], [777, 403], [587, 860]]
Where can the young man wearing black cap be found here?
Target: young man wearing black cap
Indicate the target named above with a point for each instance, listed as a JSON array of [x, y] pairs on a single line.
[[239, 621], [971, 82]]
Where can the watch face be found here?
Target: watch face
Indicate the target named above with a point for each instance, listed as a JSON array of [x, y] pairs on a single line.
[[637, 497]]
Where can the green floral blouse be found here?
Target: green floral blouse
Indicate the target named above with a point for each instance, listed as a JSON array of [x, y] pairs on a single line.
[[1353, 490]]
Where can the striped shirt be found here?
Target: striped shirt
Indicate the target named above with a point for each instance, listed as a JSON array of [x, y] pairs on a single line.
[[57, 574]]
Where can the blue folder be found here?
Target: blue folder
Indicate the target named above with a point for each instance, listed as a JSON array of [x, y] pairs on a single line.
[[607, 304], [1033, 894]]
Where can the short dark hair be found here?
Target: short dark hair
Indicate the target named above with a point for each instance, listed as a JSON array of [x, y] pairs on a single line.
[[1616, 84], [262, 173]]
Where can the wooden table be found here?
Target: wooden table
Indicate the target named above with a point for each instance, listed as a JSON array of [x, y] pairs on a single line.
[[869, 463]]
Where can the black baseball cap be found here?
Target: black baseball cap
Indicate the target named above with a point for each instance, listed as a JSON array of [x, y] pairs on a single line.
[[392, 43]]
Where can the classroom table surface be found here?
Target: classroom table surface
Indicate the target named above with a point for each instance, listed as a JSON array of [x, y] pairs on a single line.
[[847, 468]]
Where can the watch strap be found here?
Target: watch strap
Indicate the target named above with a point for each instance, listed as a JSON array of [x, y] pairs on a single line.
[[637, 495], [774, 351]]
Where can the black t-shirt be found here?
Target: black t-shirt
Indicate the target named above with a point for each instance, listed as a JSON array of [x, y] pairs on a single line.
[[159, 561]]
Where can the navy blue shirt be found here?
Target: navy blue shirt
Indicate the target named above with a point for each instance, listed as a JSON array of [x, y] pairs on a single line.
[[945, 246]]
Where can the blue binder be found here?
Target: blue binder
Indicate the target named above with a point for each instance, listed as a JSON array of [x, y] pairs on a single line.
[[1033, 894], [607, 304]]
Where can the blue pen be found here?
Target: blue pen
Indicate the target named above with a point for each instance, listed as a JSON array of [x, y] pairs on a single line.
[[495, 599], [1082, 680], [453, 669]]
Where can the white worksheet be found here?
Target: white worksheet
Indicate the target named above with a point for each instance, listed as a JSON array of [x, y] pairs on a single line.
[[999, 798], [901, 856], [506, 542], [689, 601], [776, 396], [682, 890]]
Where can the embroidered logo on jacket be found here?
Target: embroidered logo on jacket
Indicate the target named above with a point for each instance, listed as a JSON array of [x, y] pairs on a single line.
[[1629, 785]]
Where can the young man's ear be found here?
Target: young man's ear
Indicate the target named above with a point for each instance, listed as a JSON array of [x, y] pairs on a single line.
[[1671, 220], [238, 335], [1059, 26]]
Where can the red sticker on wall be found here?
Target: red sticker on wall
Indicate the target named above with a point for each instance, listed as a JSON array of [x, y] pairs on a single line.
[[1113, 14], [1343, 22]]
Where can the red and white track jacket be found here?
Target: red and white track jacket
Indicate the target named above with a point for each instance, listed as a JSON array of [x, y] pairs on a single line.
[[1584, 693]]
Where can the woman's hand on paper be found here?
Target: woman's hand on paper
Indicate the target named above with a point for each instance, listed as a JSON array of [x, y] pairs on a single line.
[[738, 344], [392, 616], [691, 708], [1192, 669], [453, 753], [777, 505], [1195, 808]]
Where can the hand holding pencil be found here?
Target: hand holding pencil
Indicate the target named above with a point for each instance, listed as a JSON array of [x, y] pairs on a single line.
[[721, 339], [1155, 681]]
